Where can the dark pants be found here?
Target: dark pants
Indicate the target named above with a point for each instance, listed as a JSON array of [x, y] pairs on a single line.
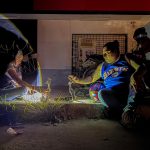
[[7, 114], [114, 100]]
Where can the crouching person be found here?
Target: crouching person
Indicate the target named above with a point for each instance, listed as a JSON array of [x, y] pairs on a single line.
[[115, 73], [11, 84], [132, 116]]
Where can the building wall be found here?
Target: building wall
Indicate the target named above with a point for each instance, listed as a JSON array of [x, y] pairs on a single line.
[[55, 42]]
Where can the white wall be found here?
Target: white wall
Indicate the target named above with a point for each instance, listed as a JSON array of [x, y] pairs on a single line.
[[54, 43], [55, 38]]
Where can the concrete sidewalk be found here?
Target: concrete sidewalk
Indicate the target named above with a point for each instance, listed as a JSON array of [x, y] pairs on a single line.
[[83, 134]]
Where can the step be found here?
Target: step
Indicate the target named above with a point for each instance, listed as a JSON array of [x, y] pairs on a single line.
[[45, 111], [25, 111]]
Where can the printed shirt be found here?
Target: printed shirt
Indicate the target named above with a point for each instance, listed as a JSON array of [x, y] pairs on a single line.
[[117, 74]]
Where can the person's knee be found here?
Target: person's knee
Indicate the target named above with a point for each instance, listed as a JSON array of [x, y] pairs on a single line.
[[101, 97], [93, 95]]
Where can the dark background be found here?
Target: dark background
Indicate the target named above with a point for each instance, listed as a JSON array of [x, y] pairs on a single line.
[[28, 29], [75, 6], [16, 6]]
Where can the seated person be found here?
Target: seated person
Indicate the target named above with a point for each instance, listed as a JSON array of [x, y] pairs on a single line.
[[141, 55], [115, 72], [11, 84]]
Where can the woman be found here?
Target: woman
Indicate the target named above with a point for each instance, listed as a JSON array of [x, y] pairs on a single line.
[[11, 84], [115, 73], [11, 87]]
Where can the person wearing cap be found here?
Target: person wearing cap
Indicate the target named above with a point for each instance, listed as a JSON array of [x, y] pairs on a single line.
[[140, 88], [142, 52]]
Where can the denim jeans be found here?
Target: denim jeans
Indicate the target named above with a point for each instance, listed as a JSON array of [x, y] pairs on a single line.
[[12, 94]]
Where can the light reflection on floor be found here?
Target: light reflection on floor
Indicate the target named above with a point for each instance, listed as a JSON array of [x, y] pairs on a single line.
[[59, 93]]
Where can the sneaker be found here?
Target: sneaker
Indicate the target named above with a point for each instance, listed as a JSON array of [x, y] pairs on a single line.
[[128, 119], [12, 131]]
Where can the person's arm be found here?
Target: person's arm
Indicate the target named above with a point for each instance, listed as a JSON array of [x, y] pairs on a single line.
[[15, 77], [136, 79], [31, 89], [88, 80]]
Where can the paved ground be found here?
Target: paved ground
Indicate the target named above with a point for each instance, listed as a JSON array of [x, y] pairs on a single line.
[[85, 134], [75, 134]]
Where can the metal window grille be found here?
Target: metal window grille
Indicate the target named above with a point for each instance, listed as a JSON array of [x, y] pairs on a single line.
[[93, 44]]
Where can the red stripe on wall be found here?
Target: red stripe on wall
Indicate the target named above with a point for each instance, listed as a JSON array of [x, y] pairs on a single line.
[[92, 5]]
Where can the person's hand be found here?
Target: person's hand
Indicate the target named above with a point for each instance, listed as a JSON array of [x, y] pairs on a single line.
[[137, 83], [73, 79], [31, 90], [133, 82]]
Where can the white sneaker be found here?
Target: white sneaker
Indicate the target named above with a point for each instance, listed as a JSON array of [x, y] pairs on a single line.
[[11, 131]]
